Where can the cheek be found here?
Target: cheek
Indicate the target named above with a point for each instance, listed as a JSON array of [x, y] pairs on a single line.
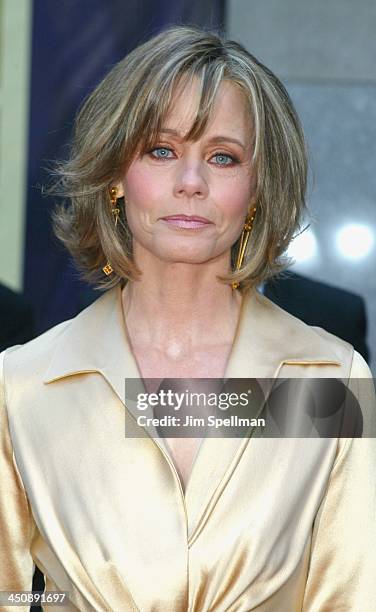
[[234, 201], [141, 187]]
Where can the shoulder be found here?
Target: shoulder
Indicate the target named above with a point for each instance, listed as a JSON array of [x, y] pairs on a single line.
[[22, 368], [299, 338], [24, 402], [271, 342], [63, 344], [359, 367], [338, 310], [36, 352]]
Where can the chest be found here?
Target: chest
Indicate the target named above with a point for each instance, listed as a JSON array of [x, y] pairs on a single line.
[[207, 363]]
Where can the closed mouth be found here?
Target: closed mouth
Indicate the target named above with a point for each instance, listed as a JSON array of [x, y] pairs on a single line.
[[190, 222], [187, 218]]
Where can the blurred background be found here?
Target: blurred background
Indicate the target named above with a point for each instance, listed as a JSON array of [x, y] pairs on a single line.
[[53, 52]]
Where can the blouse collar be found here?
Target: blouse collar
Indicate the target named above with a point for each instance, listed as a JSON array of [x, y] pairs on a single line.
[[266, 339]]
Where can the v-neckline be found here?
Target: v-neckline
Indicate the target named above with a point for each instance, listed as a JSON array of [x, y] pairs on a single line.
[[160, 441], [267, 339]]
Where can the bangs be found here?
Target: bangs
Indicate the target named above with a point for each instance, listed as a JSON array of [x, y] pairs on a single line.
[[207, 77]]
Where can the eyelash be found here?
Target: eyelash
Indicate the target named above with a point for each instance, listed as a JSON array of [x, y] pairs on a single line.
[[234, 160]]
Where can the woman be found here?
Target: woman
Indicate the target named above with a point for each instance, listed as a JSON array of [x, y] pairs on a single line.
[[186, 183]]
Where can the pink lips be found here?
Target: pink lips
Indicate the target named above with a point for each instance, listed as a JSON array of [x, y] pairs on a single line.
[[187, 221]]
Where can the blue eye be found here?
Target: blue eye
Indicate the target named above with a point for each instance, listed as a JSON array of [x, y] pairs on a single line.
[[220, 159], [161, 152], [223, 159]]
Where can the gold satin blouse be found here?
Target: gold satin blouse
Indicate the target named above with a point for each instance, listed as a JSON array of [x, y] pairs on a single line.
[[265, 524]]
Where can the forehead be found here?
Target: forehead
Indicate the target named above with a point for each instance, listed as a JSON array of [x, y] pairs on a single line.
[[229, 110]]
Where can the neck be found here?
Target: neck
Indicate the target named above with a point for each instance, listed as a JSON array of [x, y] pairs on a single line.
[[181, 305]]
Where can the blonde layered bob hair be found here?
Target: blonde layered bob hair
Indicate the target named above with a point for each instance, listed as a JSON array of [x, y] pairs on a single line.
[[124, 115]]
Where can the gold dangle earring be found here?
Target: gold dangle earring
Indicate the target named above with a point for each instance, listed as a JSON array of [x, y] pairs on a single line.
[[243, 242], [115, 210]]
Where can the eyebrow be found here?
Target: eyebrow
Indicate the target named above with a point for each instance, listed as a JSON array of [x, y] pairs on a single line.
[[215, 139]]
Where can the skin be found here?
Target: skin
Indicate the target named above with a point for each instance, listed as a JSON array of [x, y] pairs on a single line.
[[179, 305], [180, 319]]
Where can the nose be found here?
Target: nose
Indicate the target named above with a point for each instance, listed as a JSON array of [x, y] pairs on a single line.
[[190, 180]]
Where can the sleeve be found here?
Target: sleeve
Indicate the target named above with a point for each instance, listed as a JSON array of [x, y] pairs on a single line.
[[16, 523], [342, 567]]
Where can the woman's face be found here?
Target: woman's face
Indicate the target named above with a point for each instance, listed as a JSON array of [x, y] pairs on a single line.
[[187, 201]]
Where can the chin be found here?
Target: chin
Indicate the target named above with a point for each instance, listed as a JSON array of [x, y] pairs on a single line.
[[183, 258], [183, 252]]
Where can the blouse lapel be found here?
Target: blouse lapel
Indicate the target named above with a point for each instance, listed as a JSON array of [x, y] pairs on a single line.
[[267, 338], [97, 341]]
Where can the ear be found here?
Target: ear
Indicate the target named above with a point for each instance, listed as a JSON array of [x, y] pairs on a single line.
[[119, 189]]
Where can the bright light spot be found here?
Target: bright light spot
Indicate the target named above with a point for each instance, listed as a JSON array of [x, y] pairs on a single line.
[[355, 241], [304, 247]]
